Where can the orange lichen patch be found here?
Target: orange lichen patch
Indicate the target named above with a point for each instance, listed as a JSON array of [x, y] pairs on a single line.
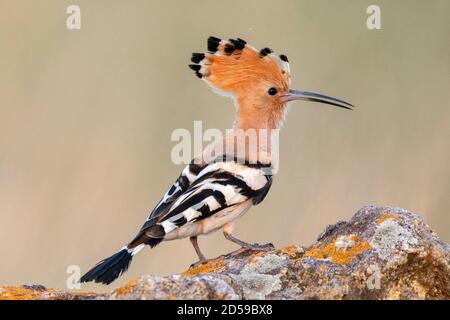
[[127, 288], [290, 251], [338, 255], [208, 267], [172, 297], [21, 293], [30, 293], [385, 217]]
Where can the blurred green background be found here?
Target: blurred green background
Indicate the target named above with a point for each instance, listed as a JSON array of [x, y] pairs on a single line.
[[86, 118]]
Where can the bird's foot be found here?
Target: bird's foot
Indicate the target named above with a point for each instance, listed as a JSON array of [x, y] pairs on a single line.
[[254, 247], [260, 247], [199, 263]]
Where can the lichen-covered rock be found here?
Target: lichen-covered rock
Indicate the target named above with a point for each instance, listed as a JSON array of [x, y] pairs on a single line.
[[381, 253], [39, 292]]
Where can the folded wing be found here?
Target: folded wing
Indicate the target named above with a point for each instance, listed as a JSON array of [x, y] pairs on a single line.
[[202, 191]]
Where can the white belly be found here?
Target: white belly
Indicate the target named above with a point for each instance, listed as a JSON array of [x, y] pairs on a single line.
[[211, 223]]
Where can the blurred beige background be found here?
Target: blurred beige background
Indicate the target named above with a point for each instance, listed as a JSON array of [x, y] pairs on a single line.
[[86, 118]]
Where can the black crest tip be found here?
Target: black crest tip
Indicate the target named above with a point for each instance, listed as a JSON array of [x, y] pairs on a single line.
[[229, 48], [212, 38], [239, 44], [195, 67], [197, 57], [284, 58], [213, 44], [265, 51]]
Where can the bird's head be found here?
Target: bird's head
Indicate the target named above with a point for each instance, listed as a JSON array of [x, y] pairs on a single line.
[[258, 80]]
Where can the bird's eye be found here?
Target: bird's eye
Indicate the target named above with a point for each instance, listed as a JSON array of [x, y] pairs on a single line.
[[272, 91]]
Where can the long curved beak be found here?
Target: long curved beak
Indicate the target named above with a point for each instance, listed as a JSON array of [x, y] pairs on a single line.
[[316, 97]]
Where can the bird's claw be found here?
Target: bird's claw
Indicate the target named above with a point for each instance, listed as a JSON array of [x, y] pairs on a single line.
[[254, 247], [266, 246], [199, 263]]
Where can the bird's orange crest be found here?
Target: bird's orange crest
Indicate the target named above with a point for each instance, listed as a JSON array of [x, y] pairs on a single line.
[[233, 67], [254, 78]]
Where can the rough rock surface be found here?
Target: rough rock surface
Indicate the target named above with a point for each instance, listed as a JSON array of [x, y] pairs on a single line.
[[381, 253]]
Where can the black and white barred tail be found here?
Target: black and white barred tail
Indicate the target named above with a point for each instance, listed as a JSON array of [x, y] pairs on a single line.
[[108, 270]]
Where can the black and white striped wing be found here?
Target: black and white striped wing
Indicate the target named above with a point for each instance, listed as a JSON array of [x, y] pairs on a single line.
[[179, 187], [217, 187]]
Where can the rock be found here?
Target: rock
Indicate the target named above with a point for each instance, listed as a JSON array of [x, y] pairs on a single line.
[[381, 253], [39, 292]]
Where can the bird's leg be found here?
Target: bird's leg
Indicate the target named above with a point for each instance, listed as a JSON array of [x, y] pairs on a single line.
[[201, 257], [227, 232]]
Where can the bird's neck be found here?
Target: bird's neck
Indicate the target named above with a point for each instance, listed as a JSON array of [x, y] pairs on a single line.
[[254, 136], [260, 124], [251, 116]]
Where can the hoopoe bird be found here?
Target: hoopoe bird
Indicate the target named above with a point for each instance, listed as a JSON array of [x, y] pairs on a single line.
[[228, 178]]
